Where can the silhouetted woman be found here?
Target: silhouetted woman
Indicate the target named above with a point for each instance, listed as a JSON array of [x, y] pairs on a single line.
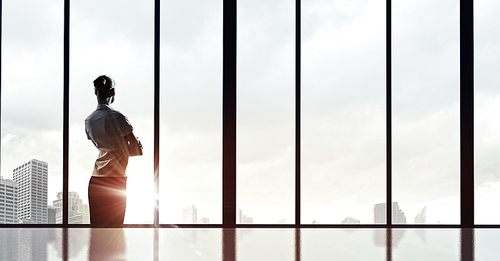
[[112, 134]]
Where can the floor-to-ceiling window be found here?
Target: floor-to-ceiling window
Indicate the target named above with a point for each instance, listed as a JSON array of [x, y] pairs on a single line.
[[191, 112], [426, 112], [117, 40], [343, 101], [31, 108], [487, 97], [265, 112], [343, 111]]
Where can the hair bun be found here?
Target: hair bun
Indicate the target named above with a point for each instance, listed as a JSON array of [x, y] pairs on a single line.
[[104, 86]]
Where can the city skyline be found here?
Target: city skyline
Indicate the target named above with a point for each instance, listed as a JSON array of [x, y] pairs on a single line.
[[17, 204], [79, 212]]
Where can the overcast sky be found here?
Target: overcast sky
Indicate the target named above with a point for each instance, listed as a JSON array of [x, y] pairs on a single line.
[[343, 103]]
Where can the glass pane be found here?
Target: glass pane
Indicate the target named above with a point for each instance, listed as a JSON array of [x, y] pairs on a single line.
[[113, 39], [266, 111], [487, 109], [343, 111], [426, 123], [31, 110], [191, 112]]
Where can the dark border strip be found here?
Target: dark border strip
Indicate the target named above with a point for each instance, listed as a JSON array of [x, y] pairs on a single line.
[[229, 114], [156, 162], [66, 112], [467, 113], [388, 80], [297, 110]]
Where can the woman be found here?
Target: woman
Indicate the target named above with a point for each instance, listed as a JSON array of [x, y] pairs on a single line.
[[112, 134]]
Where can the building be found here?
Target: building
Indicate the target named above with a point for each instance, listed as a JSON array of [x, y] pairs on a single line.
[[204, 220], [8, 201], [243, 219], [379, 212], [190, 215], [350, 220], [51, 211], [78, 213], [31, 178], [421, 218]]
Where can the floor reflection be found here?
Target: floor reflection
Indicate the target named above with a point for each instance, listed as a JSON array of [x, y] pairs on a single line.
[[247, 244], [107, 244]]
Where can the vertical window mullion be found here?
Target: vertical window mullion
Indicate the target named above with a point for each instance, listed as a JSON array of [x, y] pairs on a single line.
[[156, 163], [297, 111], [389, 112], [66, 113], [229, 114], [466, 113]]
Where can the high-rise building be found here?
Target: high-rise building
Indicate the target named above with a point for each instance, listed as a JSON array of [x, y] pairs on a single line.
[[78, 213], [190, 215], [421, 217], [8, 201], [379, 212], [31, 178], [51, 210]]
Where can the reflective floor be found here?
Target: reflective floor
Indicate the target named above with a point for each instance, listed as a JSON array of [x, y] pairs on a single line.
[[248, 244]]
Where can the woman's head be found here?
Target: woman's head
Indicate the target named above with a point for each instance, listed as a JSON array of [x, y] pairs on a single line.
[[104, 89]]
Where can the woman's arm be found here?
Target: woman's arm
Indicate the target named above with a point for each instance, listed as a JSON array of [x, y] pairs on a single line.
[[134, 145]]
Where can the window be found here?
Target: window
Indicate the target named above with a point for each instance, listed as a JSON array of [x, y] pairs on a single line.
[[303, 115]]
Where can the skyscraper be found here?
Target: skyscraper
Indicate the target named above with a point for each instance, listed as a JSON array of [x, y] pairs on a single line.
[[190, 215], [379, 212], [8, 201], [78, 213], [31, 178], [421, 217]]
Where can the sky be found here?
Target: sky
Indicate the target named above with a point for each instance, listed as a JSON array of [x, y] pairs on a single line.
[[343, 104]]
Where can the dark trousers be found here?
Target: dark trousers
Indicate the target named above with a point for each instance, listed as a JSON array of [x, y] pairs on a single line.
[[107, 201]]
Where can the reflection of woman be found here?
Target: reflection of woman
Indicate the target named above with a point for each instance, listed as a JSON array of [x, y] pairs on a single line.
[[112, 134], [107, 244]]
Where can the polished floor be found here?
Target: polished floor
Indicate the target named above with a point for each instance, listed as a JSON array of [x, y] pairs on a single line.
[[248, 244]]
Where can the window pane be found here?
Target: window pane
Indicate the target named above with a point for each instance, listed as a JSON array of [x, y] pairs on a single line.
[[31, 106], [266, 111], [343, 110], [426, 126], [487, 109], [191, 112], [116, 39]]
